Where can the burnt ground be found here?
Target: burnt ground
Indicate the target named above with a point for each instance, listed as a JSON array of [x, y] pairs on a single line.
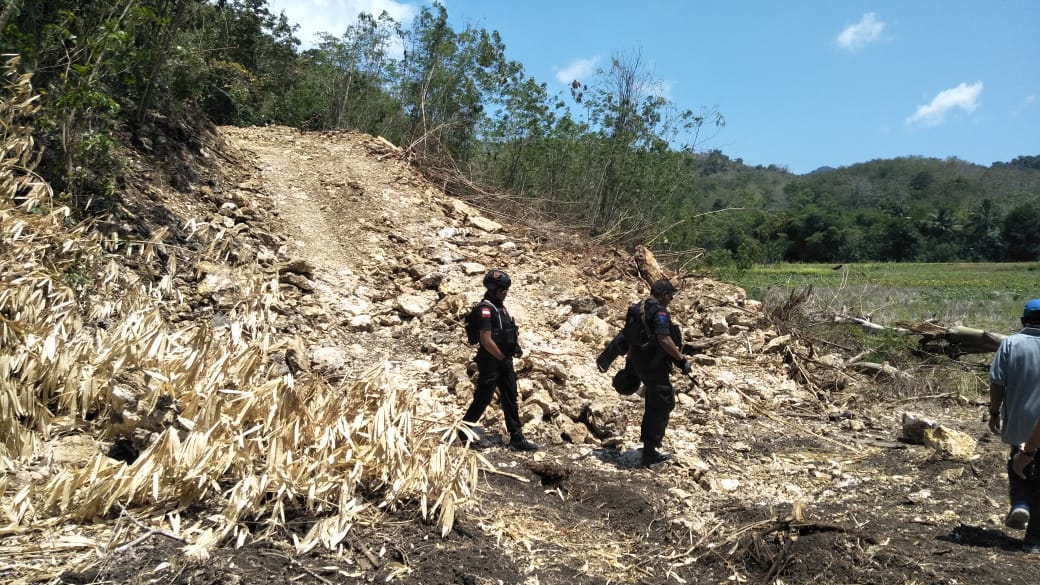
[[793, 494], [886, 533]]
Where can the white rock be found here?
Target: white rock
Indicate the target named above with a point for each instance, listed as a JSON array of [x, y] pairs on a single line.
[[485, 224], [361, 323], [417, 304], [735, 412], [728, 484], [328, 359]]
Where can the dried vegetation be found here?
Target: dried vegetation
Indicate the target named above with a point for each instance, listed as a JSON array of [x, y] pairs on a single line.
[[193, 415]]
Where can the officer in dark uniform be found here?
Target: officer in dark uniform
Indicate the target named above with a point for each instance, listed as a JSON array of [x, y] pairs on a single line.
[[652, 362], [499, 343]]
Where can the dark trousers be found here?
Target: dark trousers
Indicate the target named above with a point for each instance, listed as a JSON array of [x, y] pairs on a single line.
[[1026, 491], [659, 400], [492, 374]]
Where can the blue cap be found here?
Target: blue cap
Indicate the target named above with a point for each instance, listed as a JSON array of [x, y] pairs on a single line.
[[1031, 307]]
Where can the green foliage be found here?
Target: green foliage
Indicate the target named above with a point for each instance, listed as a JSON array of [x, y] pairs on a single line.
[[1020, 234], [84, 57], [614, 156], [236, 61], [78, 276], [345, 81], [1026, 162]]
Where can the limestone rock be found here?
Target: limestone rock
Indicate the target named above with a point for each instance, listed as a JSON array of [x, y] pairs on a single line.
[[414, 305], [946, 442], [485, 224]]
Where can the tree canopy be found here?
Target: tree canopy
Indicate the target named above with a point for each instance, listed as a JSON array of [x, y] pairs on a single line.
[[610, 154]]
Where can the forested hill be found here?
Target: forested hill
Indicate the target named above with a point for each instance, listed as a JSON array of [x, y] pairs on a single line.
[[903, 209], [129, 78]]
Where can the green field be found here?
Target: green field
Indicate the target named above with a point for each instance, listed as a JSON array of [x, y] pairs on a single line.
[[984, 295]]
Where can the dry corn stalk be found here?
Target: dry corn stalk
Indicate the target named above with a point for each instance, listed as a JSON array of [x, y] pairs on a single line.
[[75, 323]]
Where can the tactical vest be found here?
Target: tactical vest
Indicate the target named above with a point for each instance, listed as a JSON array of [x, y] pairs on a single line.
[[504, 331]]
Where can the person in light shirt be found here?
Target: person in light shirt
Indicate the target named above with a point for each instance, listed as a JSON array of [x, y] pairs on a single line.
[[1014, 414]]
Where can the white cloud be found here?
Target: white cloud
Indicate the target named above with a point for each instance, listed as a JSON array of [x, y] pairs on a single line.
[[964, 97], [334, 16], [1027, 103], [861, 34], [579, 69]]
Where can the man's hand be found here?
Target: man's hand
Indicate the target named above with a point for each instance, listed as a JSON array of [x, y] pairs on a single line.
[[685, 367], [1020, 462], [518, 351], [994, 423]]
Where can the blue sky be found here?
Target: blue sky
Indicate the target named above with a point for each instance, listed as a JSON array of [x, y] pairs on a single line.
[[802, 84]]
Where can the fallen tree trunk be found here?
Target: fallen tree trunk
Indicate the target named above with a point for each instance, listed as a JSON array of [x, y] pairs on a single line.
[[957, 341], [974, 340], [936, 339], [876, 369], [869, 325]]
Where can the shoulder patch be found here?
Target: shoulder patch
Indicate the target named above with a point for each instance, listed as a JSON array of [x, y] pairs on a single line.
[[485, 313]]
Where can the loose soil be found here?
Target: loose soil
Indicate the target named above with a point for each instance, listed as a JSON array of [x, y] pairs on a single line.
[[815, 490]]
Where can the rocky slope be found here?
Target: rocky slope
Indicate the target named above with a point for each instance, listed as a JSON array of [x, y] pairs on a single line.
[[787, 468]]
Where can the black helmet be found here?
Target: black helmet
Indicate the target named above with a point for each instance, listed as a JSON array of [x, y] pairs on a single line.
[[662, 286], [497, 279], [626, 382]]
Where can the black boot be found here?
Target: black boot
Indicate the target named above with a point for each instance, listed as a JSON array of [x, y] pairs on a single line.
[[519, 443], [652, 457]]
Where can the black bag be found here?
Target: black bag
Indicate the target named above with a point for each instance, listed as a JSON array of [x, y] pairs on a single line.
[[637, 330], [471, 323], [617, 347]]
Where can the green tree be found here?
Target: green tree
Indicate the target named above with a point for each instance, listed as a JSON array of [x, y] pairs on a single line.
[[983, 232], [632, 129], [343, 81], [446, 83], [517, 142], [236, 61], [815, 226], [89, 66], [900, 240], [1021, 239]]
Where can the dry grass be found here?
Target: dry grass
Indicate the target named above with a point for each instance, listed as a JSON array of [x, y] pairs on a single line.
[[248, 446]]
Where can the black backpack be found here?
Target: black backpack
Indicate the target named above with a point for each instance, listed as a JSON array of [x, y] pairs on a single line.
[[637, 330], [471, 322]]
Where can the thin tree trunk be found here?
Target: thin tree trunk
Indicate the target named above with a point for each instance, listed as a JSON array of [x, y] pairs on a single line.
[[9, 9], [160, 57]]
